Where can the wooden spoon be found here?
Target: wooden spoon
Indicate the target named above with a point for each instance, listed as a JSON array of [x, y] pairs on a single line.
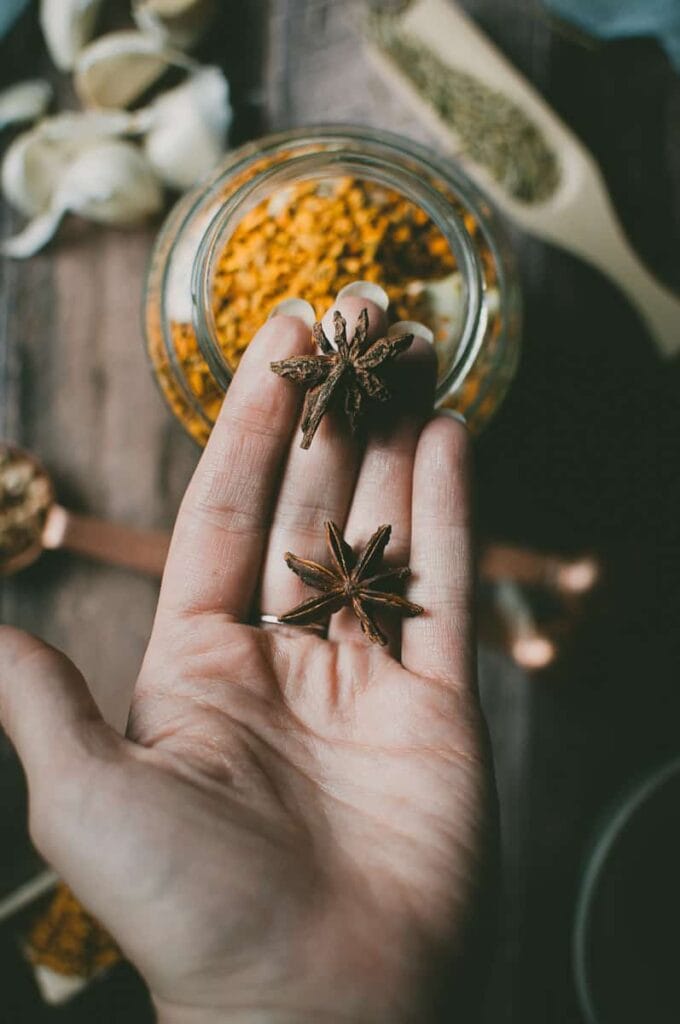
[[142, 550], [578, 215]]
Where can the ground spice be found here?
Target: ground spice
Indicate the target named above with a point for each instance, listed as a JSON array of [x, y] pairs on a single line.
[[66, 939], [196, 371], [307, 241], [25, 497], [310, 240]]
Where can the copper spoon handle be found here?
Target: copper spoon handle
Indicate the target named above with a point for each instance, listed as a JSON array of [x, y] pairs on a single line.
[[143, 550], [498, 562], [146, 551]]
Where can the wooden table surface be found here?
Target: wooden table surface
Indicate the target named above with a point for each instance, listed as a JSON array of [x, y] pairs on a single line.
[[584, 455]]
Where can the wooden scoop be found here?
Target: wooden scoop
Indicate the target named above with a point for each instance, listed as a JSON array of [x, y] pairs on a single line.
[[578, 215]]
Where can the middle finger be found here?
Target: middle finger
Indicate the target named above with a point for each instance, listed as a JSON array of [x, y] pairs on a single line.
[[317, 485]]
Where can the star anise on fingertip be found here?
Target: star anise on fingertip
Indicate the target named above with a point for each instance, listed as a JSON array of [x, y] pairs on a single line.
[[358, 582], [346, 369]]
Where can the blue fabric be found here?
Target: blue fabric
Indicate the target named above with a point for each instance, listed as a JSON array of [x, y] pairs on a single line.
[[9, 12], [609, 19]]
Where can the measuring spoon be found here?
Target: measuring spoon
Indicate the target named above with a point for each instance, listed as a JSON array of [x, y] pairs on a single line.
[[142, 550]]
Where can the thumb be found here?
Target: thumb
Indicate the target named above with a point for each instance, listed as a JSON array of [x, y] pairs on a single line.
[[57, 730]]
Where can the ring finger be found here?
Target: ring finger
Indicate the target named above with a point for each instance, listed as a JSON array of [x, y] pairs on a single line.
[[383, 492]]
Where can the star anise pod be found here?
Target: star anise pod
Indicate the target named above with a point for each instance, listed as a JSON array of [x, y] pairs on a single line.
[[358, 582], [347, 368]]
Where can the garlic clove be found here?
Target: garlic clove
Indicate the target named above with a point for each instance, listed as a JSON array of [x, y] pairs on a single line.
[[188, 127], [117, 68], [110, 183], [30, 171], [67, 26], [36, 159], [179, 22], [34, 236], [24, 101]]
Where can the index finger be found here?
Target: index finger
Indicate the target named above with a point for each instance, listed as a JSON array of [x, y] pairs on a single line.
[[223, 522]]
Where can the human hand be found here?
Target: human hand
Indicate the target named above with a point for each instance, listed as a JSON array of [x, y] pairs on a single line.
[[294, 828]]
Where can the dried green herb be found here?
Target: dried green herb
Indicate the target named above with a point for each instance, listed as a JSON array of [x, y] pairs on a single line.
[[493, 131], [357, 583], [350, 370]]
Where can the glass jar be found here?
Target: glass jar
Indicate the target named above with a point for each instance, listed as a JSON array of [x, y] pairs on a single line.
[[301, 214]]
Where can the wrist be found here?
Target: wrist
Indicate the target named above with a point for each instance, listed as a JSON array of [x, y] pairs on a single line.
[[252, 1015], [352, 982]]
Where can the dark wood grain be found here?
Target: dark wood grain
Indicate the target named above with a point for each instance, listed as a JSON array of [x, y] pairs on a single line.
[[584, 454], [87, 405]]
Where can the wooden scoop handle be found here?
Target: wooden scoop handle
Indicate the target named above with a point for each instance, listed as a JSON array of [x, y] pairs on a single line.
[[579, 216], [142, 550]]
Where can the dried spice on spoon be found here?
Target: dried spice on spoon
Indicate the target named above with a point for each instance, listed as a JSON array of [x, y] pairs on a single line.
[[25, 498], [357, 582]]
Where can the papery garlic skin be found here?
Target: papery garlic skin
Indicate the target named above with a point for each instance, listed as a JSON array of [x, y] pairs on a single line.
[[30, 171], [24, 101], [36, 160], [188, 128], [67, 26], [110, 182], [34, 236], [114, 70], [180, 23]]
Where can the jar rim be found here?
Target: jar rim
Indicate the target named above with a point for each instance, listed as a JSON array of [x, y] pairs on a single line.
[[338, 154]]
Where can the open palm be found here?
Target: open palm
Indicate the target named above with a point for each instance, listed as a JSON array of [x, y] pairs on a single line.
[[294, 828]]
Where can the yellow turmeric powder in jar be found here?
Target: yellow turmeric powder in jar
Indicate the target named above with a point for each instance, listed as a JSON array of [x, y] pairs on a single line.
[[301, 215], [310, 240]]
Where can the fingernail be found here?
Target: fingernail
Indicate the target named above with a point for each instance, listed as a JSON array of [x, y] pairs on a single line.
[[366, 290], [413, 327], [295, 307], [454, 415]]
